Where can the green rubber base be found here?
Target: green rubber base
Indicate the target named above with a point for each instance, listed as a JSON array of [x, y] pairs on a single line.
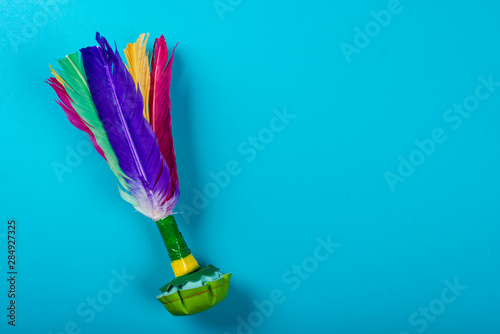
[[192, 301]]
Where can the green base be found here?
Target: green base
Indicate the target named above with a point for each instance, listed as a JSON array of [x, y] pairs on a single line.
[[192, 301], [193, 277]]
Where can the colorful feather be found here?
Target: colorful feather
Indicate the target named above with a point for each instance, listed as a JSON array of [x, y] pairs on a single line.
[[138, 66], [105, 99], [120, 108], [159, 107], [65, 102], [73, 77]]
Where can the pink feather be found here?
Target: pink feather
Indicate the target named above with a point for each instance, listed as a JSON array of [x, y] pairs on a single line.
[[159, 107], [73, 117]]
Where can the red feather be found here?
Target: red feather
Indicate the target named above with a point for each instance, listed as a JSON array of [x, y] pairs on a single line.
[[159, 107], [73, 117]]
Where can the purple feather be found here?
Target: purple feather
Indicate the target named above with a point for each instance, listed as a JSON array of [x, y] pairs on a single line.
[[119, 106]]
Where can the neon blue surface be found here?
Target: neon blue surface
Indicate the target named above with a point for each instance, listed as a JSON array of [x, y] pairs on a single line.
[[340, 158]]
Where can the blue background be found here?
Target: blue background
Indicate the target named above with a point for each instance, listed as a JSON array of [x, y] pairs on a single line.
[[324, 175]]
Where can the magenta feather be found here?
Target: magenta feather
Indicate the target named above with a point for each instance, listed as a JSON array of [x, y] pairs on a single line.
[[73, 117], [159, 108]]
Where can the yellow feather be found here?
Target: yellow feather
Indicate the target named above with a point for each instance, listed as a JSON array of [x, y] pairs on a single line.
[[57, 76], [138, 66]]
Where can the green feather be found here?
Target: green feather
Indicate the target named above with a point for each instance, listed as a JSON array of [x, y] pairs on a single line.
[[75, 81]]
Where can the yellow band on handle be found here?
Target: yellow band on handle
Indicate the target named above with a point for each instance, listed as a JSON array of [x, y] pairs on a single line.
[[184, 266]]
